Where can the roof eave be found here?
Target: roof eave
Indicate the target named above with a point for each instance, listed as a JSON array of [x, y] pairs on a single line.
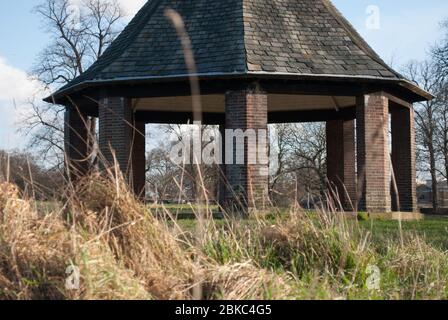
[[417, 90], [59, 95]]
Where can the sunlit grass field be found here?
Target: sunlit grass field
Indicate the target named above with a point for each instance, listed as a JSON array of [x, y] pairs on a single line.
[[433, 229], [124, 249]]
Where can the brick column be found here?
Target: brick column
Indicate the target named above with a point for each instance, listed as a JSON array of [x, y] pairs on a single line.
[[246, 110], [341, 162], [76, 136], [120, 134], [222, 179], [403, 157], [139, 159], [374, 179]]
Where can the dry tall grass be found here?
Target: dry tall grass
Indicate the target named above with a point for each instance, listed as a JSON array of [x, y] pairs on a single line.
[[124, 252]]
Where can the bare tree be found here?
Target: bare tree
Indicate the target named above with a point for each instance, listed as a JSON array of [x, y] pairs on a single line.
[[301, 162], [162, 173], [440, 55], [426, 74], [29, 175], [308, 150], [440, 51], [441, 138], [79, 36], [280, 143], [195, 178]]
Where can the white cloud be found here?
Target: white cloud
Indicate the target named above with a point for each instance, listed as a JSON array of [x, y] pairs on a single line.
[[15, 83], [16, 88], [129, 6], [132, 6]]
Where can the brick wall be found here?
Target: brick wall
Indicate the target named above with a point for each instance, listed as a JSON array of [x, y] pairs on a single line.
[[247, 109], [372, 114]]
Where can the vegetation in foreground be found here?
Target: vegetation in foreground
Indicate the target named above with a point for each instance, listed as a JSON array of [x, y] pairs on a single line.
[[123, 252]]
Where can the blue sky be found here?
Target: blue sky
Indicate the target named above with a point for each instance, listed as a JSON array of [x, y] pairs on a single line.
[[407, 29]]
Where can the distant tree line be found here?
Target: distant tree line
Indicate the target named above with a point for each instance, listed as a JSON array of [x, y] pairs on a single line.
[[30, 175]]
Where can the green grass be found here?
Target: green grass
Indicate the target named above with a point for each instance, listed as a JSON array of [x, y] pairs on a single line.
[[434, 230], [295, 255], [182, 209]]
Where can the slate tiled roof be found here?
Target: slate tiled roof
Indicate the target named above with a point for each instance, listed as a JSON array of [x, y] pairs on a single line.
[[305, 37], [308, 37]]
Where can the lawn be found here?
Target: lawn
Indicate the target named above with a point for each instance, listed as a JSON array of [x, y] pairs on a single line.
[[433, 229], [183, 211], [128, 251]]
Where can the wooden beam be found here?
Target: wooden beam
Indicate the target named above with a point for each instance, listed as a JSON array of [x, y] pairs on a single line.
[[273, 117], [312, 115], [395, 100], [162, 117]]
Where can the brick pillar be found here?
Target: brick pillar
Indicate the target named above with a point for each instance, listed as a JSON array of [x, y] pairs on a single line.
[[115, 131], [341, 162], [374, 179], [222, 179], [139, 159], [120, 134], [246, 111], [76, 143], [403, 157]]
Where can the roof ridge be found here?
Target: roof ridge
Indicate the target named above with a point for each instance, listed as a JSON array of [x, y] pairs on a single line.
[[356, 37]]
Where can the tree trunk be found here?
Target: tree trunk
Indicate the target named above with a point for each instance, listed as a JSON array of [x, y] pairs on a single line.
[[445, 156]]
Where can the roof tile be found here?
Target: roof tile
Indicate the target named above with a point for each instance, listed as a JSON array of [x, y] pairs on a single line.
[[285, 36]]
